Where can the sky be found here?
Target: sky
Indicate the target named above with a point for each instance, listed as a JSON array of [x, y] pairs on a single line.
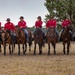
[[30, 9]]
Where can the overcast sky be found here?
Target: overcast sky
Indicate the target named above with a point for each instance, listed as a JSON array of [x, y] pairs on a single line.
[[30, 9]]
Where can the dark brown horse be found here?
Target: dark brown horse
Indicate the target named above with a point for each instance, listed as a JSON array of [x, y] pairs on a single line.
[[51, 38], [66, 38], [21, 39], [38, 39], [7, 39]]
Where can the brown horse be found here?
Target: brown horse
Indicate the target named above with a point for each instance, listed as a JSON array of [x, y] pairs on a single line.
[[51, 38], [21, 39], [7, 39], [66, 38], [38, 39]]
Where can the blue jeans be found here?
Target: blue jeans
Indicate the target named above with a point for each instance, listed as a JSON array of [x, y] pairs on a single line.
[[13, 36], [41, 30], [57, 33], [26, 32]]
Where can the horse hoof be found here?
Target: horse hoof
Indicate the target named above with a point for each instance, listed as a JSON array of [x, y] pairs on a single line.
[[67, 53], [34, 53], [55, 53], [29, 50], [18, 53], [4, 54], [24, 52], [0, 51]]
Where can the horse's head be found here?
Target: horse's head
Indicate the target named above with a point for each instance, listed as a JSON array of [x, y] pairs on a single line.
[[5, 36], [51, 32], [38, 35], [17, 29], [69, 27]]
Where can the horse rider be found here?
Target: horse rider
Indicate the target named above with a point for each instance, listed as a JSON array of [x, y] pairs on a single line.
[[52, 23], [9, 26], [38, 24], [65, 23], [22, 25]]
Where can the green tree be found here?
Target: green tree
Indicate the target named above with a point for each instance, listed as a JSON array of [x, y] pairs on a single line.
[[60, 9]]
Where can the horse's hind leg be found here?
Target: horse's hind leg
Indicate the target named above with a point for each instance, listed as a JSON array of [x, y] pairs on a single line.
[[68, 44], [4, 50], [18, 49], [64, 48], [48, 48], [9, 48], [53, 44], [34, 48], [40, 49], [23, 49], [0, 48]]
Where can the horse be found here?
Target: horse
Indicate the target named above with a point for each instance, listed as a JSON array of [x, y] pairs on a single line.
[[66, 38], [51, 39], [7, 39], [21, 39], [38, 39]]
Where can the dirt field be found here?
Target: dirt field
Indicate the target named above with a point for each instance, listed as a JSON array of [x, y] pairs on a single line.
[[30, 64]]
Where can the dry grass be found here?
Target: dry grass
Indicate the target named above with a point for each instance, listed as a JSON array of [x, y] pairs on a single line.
[[30, 64]]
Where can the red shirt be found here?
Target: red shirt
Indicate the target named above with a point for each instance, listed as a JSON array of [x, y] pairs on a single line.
[[22, 24], [38, 24], [51, 23], [9, 26], [0, 25], [65, 23]]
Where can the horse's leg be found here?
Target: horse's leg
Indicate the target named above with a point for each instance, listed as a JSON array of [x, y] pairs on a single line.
[[25, 46], [40, 49], [64, 47], [0, 48], [54, 44], [18, 49], [48, 48], [23, 49], [68, 45], [34, 48], [10, 48], [30, 43], [4, 49]]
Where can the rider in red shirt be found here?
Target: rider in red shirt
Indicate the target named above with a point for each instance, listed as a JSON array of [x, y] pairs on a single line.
[[52, 23], [22, 25], [9, 26], [38, 23], [66, 22]]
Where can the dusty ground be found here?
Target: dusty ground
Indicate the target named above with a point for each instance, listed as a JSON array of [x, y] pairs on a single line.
[[30, 64]]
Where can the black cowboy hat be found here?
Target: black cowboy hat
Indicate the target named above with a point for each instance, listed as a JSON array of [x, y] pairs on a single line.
[[39, 17], [21, 17], [8, 19], [51, 16]]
